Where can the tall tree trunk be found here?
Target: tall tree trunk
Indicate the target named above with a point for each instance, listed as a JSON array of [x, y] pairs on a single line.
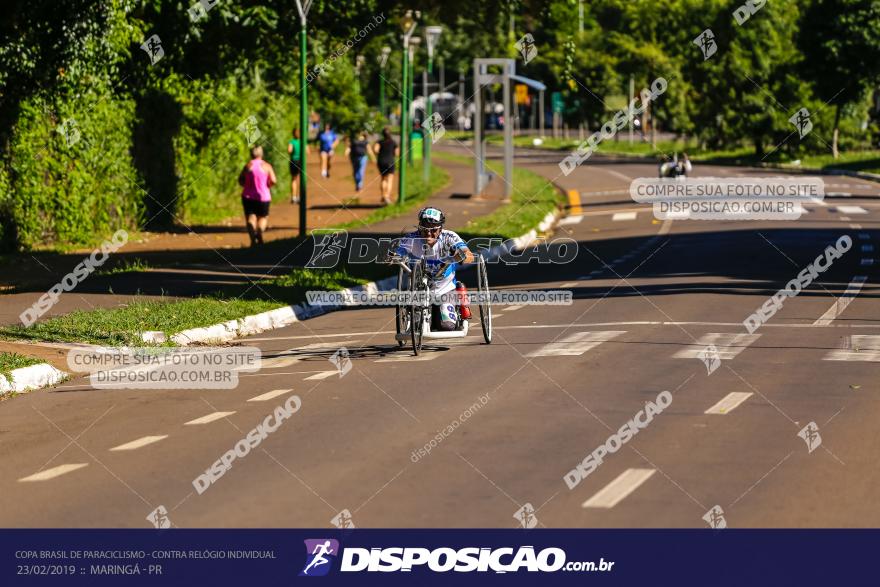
[[834, 151]]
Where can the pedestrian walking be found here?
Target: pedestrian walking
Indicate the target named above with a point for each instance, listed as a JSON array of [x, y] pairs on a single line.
[[356, 150], [327, 142], [256, 178], [294, 147], [386, 152]]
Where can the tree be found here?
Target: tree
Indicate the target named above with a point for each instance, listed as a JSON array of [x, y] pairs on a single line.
[[841, 47]]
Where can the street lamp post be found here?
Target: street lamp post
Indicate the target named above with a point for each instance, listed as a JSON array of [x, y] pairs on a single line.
[[413, 45], [303, 9], [383, 60], [432, 35], [408, 24]]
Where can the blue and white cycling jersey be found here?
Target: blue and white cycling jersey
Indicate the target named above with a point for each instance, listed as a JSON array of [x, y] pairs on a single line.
[[446, 245]]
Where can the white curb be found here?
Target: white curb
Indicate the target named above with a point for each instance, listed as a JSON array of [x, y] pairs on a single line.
[[257, 323], [31, 377]]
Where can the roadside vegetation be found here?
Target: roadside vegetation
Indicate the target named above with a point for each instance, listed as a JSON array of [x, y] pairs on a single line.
[[9, 362]]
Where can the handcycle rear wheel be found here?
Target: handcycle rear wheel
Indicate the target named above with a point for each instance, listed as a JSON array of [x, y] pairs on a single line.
[[485, 305]]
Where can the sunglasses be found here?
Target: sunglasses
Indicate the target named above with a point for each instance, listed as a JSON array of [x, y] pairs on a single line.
[[431, 229]]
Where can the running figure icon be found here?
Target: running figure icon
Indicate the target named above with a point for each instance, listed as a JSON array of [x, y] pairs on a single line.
[[319, 559]]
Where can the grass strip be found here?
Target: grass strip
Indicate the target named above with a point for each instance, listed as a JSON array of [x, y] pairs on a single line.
[[9, 362]]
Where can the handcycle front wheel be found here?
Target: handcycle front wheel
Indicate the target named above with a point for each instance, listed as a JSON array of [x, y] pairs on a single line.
[[401, 314], [484, 303], [418, 287]]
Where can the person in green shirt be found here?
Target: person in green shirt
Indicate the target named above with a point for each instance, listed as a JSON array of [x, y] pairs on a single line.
[[293, 148]]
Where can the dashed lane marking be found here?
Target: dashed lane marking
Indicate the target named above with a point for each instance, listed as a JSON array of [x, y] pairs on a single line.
[[842, 302], [860, 347], [576, 344], [321, 375], [139, 443], [270, 395], [619, 216], [616, 491], [851, 210], [208, 419], [729, 402], [729, 345], [54, 472]]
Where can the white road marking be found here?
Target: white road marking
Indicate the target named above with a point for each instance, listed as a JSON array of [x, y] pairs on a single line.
[[497, 315], [309, 336], [855, 226], [568, 284], [862, 347], [677, 324], [294, 355], [820, 202], [270, 395], [613, 493], [617, 174], [618, 216], [842, 302], [867, 262], [513, 308], [208, 419], [729, 345], [845, 218], [321, 375], [851, 210], [408, 357], [140, 442], [54, 472], [576, 219], [729, 402], [576, 344]]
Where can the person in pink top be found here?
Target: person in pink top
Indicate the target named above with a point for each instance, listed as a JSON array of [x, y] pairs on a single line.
[[256, 178]]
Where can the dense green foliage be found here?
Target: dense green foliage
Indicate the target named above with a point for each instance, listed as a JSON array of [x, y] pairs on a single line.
[[93, 137]]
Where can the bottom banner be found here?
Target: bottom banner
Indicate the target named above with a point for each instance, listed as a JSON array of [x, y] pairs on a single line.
[[438, 557]]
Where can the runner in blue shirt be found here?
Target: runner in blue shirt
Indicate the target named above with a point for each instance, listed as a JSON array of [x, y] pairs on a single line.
[[327, 141]]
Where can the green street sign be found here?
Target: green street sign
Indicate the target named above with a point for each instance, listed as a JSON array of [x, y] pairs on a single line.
[[556, 101]]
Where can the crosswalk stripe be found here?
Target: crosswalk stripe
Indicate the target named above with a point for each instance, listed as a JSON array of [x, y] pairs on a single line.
[[615, 492], [408, 357], [322, 375], [576, 344], [862, 347], [270, 395], [208, 419], [54, 472], [845, 299], [139, 443], [729, 402], [618, 216], [851, 210], [729, 345]]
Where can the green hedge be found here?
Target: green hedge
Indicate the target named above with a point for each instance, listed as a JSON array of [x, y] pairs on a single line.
[[72, 192]]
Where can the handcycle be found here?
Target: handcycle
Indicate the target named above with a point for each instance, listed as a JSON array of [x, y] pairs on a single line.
[[413, 319]]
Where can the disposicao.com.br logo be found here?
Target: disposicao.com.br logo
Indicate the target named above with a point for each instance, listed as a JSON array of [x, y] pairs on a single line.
[[442, 560]]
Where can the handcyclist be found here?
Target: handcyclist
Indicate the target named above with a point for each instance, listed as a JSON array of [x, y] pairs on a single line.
[[442, 249], [675, 168]]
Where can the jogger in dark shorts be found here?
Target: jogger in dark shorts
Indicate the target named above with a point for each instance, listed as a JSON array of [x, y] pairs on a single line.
[[256, 178], [293, 148], [386, 152]]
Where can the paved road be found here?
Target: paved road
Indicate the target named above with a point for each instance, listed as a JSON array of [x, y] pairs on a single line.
[[514, 417]]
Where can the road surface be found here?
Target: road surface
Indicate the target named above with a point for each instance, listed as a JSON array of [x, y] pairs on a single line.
[[501, 425]]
